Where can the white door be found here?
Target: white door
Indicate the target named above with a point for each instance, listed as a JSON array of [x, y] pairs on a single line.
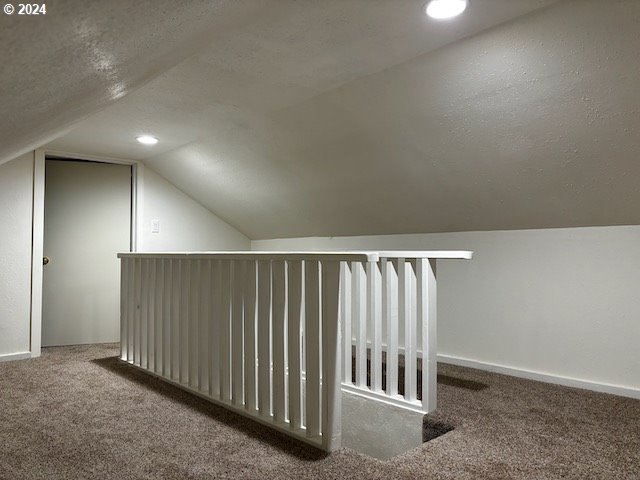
[[87, 221]]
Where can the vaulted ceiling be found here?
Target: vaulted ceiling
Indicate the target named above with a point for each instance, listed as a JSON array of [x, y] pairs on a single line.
[[342, 117], [59, 68]]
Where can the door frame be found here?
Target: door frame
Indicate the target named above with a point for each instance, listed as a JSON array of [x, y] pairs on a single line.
[[37, 247]]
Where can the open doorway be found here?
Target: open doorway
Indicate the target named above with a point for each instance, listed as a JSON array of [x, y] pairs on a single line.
[[87, 221]]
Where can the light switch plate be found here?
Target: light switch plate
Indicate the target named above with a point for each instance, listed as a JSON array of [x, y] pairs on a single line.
[[155, 226]]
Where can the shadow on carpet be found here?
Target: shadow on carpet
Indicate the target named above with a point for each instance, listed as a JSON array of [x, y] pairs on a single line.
[[461, 383], [217, 413]]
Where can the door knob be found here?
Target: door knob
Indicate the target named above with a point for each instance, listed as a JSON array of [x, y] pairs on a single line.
[[45, 260]]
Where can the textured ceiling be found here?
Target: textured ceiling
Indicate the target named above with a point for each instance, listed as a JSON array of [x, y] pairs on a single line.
[[83, 55], [294, 51], [363, 117]]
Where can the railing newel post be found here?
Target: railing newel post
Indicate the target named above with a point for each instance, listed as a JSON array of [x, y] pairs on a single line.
[[331, 361]]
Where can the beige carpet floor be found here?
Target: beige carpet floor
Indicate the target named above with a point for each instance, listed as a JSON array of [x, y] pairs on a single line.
[[77, 413]]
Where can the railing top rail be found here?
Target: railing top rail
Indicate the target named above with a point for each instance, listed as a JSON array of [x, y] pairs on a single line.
[[251, 255], [453, 254], [349, 256]]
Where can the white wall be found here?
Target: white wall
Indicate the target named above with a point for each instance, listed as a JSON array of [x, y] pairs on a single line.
[[16, 198], [184, 224], [558, 302]]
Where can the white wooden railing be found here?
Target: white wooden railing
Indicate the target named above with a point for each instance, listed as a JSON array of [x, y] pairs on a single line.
[[260, 332]]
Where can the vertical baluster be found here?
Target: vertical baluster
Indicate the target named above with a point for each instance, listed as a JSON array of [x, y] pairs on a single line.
[[404, 319], [402, 308], [185, 277], [294, 286], [175, 319], [151, 312], [237, 332], [331, 388], [166, 319], [144, 312], [157, 314], [194, 310], [215, 342], [131, 307], [375, 320], [124, 308], [359, 317], [345, 321], [158, 318], [391, 316], [151, 317], [138, 297], [278, 314], [264, 354], [204, 317], [426, 299], [312, 348], [410, 363], [176, 290], [402, 296], [250, 310], [225, 330]]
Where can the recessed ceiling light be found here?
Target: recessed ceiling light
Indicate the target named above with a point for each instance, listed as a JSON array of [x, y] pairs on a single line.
[[443, 9], [147, 139]]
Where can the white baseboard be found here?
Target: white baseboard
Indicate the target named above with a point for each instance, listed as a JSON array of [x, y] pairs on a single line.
[[542, 377], [8, 357]]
